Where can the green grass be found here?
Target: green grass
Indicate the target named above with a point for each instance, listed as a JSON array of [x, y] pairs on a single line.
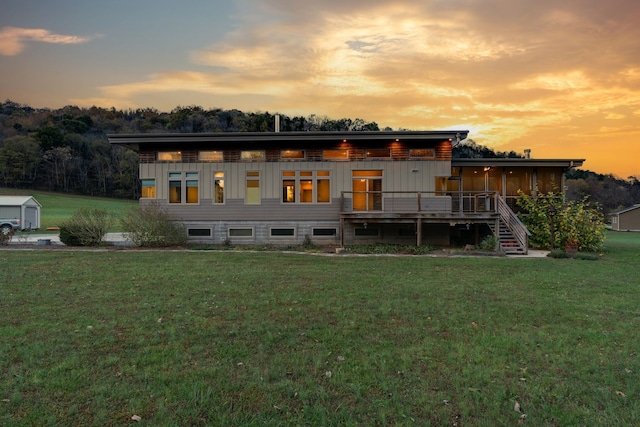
[[57, 207], [233, 338]]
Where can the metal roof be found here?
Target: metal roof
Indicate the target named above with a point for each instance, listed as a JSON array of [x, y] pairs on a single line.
[[16, 200], [517, 162], [624, 210], [249, 137]]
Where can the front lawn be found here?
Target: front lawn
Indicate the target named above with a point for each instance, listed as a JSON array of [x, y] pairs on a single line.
[[268, 339]]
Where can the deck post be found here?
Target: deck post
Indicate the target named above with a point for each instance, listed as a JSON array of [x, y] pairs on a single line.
[[419, 232], [341, 232]]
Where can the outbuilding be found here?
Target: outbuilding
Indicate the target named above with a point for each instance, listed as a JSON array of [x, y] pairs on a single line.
[[26, 209], [627, 219]]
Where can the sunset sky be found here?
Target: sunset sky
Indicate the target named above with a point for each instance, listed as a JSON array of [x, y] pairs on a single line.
[[559, 77]]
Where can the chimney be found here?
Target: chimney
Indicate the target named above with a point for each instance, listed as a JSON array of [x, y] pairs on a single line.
[[277, 124], [527, 153]]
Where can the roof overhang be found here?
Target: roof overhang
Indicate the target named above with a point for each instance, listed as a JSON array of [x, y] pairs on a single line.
[[135, 141], [518, 162]]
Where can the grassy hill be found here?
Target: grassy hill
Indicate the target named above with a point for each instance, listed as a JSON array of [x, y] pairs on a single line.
[[56, 207]]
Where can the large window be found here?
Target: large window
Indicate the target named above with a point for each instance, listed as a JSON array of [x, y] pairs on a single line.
[[148, 188], [169, 156], [252, 155], [341, 154], [367, 190], [218, 187], [292, 154], [210, 156], [306, 187], [183, 187], [252, 194]]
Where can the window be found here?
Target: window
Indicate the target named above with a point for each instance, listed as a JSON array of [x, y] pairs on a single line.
[[306, 187], [169, 156], [252, 194], [183, 187], [199, 232], [292, 154], [218, 187], [324, 232], [379, 153], [210, 156], [148, 188], [422, 153], [241, 232], [252, 155], [342, 154], [175, 187], [282, 232]]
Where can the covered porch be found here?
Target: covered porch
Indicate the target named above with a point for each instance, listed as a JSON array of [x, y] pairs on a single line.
[[433, 207]]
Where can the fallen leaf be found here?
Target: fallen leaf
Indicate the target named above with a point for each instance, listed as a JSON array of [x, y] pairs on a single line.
[[160, 320], [619, 393], [136, 418], [516, 407], [474, 324], [340, 358], [328, 374]]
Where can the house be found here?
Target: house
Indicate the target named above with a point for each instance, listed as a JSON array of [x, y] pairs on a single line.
[[26, 209], [336, 187], [627, 219]]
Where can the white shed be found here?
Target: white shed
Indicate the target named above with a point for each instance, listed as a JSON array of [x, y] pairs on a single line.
[[24, 208]]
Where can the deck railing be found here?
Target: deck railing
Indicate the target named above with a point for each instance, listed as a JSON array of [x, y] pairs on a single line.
[[413, 202], [518, 229]]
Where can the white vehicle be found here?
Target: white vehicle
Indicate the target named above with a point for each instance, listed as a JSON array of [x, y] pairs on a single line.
[[6, 225]]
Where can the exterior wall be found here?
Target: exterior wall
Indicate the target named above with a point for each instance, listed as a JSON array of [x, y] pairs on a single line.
[[628, 221], [212, 221]]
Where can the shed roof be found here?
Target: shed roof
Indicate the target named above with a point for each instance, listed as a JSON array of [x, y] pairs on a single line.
[[16, 200], [624, 210]]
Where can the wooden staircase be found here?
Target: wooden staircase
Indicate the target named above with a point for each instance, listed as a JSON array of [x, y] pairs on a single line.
[[508, 242], [512, 234]]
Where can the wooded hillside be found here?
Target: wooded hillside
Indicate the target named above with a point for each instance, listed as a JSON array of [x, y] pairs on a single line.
[[67, 150]]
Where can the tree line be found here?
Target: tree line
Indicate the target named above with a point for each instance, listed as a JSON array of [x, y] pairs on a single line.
[[66, 149]]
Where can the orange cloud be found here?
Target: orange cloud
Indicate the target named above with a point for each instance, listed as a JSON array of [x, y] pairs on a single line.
[[13, 39]]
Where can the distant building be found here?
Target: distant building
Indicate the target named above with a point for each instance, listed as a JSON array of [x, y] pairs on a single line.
[[25, 209], [337, 187], [627, 219]]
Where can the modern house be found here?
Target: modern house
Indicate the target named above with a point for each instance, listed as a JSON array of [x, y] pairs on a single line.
[[627, 219], [337, 188]]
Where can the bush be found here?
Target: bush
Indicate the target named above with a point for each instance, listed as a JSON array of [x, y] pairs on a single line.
[[558, 253], [5, 238], [151, 226], [550, 217], [489, 244], [86, 227]]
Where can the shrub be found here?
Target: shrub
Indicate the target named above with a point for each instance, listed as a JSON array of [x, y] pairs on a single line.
[[558, 253], [5, 238], [86, 227], [489, 244], [150, 225], [550, 217]]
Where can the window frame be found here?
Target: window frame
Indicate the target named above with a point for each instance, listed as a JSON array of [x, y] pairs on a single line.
[[291, 184], [184, 180], [142, 188]]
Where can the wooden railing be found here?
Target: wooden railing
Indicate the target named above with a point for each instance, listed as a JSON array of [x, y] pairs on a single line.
[[408, 202], [518, 229]]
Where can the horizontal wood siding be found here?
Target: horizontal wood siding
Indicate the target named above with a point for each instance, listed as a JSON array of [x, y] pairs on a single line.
[[268, 210]]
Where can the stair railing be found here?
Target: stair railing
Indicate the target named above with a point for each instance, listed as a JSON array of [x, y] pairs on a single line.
[[518, 229]]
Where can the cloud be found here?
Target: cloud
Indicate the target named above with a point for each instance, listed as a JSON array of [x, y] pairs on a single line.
[[506, 67], [13, 39]]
